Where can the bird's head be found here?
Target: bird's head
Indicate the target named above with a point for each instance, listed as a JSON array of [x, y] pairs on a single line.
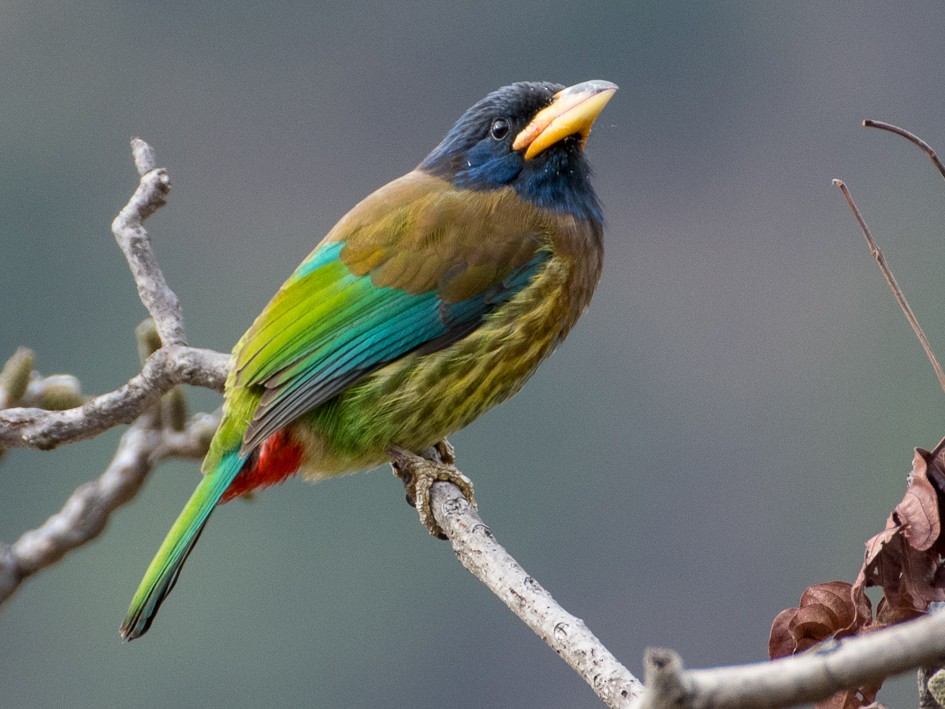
[[529, 136]]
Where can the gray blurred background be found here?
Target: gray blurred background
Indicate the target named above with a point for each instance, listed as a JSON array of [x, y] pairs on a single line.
[[730, 421]]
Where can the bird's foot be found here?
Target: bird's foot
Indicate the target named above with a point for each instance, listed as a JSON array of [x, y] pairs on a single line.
[[419, 472]]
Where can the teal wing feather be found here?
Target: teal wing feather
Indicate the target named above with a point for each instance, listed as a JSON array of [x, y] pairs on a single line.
[[380, 286]]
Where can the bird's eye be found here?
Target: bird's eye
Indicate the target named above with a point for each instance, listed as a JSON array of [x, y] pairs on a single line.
[[499, 129]]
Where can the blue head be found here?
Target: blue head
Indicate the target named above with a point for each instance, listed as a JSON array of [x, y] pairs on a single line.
[[529, 136]]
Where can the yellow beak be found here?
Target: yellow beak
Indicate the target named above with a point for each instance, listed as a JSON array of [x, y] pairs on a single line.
[[572, 112]]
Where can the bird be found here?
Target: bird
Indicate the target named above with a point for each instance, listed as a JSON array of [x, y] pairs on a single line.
[[434, 299]]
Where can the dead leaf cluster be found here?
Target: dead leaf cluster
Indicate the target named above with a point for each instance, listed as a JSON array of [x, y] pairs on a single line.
[[904, 561]]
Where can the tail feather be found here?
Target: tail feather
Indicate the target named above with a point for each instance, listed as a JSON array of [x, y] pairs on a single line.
[[164, 569]]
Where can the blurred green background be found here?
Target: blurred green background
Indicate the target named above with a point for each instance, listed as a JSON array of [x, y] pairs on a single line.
[[730, 421]]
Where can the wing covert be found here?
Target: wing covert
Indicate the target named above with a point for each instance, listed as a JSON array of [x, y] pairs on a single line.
[[385, 282]]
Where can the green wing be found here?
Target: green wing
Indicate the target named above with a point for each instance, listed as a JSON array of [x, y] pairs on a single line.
[[415, 266]]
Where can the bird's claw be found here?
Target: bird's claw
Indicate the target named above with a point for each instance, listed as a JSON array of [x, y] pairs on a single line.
[[419, 472], [447, 454]]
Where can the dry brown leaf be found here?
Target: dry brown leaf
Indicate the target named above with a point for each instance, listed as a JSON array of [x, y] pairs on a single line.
[[781, 642], [935, 465], [833, 596], [827, 610], [918, 512], [905, 560]]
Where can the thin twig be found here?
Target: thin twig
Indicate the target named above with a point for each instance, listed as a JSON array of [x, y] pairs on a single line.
[[891, 281], [174, 363], [911, 137]]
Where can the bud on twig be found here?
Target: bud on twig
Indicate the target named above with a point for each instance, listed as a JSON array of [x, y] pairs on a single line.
[[61, 392], [15, 377], [148, 339], [174, 409]]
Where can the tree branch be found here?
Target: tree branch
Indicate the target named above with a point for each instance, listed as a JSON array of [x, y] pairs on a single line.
[[808, 677], [481, 554], [147, 442], [169, 366], [162, 303], [86, 512], [172, 364]]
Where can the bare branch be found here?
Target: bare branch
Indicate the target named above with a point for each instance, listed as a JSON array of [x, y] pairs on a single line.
[[169, 366], [803, 678], [912, 138], [86, 512], [666, 685], [891, 281], [174, 363], [162, 303], [477, 550], [161, 429]]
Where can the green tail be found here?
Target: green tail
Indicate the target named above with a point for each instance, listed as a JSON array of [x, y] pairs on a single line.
[[161, 575]]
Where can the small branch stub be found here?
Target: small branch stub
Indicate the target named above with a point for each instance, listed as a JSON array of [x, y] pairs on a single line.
[[665, 683]]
